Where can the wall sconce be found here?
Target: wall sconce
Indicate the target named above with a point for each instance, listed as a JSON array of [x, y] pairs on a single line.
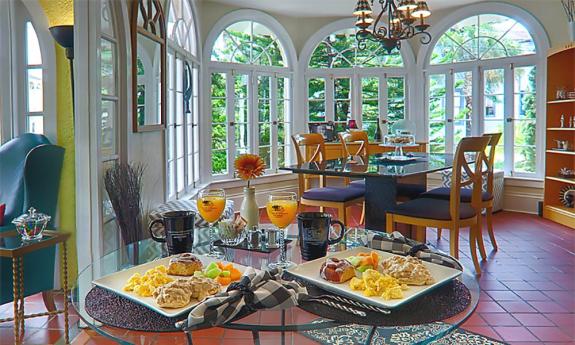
[[64, 36]]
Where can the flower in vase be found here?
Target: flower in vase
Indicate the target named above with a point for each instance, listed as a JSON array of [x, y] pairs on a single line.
[[249, 166]]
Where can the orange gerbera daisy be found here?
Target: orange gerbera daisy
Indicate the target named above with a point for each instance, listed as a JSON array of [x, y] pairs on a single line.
[[249, 166]]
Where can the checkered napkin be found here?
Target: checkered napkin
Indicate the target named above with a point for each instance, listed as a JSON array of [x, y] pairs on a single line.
[[396, 243], [256, 290]]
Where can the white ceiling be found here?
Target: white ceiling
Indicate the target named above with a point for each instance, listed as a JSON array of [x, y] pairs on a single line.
[[320, 8]]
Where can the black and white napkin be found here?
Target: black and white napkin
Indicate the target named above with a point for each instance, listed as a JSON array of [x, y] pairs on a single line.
[[396, 243], [256, 290]]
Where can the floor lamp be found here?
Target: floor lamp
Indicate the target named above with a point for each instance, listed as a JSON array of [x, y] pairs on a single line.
[[64, 35]]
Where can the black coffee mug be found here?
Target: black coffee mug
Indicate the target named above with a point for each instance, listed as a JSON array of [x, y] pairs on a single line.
[[179, 230], [314, 229]]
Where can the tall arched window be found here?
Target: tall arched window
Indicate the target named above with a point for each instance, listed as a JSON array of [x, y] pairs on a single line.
[[482, 77], [183, 149], [344, 82], [27, 100], [251, 93]]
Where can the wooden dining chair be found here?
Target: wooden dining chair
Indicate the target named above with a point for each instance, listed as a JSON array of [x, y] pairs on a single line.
[[361, 139], [339, 198], [486, 196], [450, 214]]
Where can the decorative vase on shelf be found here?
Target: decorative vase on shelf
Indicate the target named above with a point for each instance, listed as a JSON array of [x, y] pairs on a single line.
[[249, 209]]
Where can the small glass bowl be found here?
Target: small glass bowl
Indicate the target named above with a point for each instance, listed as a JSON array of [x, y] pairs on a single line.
[[229, 233], [31, 225]]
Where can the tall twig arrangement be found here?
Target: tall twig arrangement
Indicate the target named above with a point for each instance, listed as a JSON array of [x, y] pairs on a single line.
[[569, 6], [123, 183]]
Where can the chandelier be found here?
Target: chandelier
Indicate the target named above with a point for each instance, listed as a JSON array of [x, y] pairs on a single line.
[[405, 20]]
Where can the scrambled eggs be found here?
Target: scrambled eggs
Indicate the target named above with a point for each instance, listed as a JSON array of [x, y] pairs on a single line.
[[146, 285], [373, 283]]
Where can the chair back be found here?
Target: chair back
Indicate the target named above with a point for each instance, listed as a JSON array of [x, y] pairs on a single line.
[[466, 173], [489, 159], [355, 137], [302, 143]]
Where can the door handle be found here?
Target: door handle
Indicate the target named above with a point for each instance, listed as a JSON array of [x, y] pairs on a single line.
[[449, 120], [509, 119], [232, 123]]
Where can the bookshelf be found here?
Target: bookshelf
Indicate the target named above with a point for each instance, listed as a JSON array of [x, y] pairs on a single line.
[[560, 74]]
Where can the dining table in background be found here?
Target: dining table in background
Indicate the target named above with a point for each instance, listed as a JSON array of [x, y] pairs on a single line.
[[382, 177]]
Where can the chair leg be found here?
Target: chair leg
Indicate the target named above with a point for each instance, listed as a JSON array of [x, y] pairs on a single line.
[[473, 247], [479, 237], [420, 235], [48, 297], [362, 218], [439, 233], [454, 242], [489, 218], [389, 223]]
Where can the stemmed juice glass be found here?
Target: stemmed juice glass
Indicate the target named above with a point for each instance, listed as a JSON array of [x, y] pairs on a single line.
[[211, 204], [282, 209]]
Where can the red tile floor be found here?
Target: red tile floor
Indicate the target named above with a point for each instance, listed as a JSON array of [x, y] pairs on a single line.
[[528, 292]]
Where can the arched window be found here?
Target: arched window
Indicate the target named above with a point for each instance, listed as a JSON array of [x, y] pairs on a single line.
[[27, 101], [347, 83], [251, 91], [183, 149], [482, 78]]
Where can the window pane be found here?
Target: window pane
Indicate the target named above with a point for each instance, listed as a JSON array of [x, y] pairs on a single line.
[[33, 53], [108, 68], [106, 20], [316, 100], [219, 124], [342, 96], [395, 99], [370, 104], [437, 113], [35, 90], [524, 159], [36, 124], [108, 129]]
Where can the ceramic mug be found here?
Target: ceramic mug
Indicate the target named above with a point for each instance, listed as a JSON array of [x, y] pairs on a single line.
[[179, 231]]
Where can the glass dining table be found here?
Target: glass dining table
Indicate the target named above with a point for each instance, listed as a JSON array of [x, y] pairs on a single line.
[[383, 178], [293, 319]]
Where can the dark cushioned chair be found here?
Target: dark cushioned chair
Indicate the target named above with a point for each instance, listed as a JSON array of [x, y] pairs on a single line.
[[486, 196], [450, 214], [30, 168], [339, 198]]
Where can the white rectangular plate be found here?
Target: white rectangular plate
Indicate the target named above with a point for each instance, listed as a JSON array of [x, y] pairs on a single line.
[[309, 271], [115, 282]]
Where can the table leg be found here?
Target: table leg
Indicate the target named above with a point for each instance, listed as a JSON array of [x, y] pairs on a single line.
[[21, 294], [283, 324], [16, 300], [380, 194], [256, 336], [189, 337], [66, 325]]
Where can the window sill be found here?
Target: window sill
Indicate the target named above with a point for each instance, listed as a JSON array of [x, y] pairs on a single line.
[[236, 182], [530, 182]]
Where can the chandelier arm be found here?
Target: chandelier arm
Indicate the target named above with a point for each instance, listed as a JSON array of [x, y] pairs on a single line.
[[425, 37]]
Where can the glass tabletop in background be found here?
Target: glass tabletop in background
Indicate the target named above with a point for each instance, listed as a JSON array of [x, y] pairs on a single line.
[[295, 319]]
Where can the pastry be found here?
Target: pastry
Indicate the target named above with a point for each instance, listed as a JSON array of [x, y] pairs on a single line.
[[180, 292], [337, 270], [184, 265], [408, 270]]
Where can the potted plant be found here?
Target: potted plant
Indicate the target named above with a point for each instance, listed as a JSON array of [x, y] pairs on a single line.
[[248, 167]]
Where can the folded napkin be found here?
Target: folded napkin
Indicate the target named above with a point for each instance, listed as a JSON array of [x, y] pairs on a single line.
[[396, 243], [256, 290]]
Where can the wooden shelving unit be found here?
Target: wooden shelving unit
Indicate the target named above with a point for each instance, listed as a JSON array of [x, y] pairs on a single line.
[[560, 74]]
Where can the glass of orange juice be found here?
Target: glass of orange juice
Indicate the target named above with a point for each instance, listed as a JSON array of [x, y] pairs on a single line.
[[282, 209], [211, 204]]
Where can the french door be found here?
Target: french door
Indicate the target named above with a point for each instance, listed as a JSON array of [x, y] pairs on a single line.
[[251, 113], [486, 99]]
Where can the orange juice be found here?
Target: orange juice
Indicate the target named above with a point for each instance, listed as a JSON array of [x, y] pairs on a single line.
[[211, 207], [281, 212]]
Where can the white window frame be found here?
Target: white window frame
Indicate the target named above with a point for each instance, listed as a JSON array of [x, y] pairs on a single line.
[[538, 60], [355, 73], [13, 99], [252, 71], [189, 160]]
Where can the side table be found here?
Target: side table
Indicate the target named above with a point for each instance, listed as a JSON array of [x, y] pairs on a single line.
[[15, 249]]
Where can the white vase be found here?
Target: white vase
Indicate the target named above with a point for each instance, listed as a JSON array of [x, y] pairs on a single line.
[[572, 31], [249, 209]]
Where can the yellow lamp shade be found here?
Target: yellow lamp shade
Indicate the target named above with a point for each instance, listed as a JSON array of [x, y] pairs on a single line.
[[58, 12]]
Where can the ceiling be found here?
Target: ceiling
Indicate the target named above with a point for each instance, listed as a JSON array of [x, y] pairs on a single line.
[[319, 8]]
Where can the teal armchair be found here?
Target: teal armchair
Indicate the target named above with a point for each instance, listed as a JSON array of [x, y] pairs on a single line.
[[30, 168]]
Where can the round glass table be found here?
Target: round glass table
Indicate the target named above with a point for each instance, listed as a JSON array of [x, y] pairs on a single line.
[[292, 319]]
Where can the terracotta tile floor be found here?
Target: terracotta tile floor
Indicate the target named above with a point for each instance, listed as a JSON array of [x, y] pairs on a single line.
[[528, 292]]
